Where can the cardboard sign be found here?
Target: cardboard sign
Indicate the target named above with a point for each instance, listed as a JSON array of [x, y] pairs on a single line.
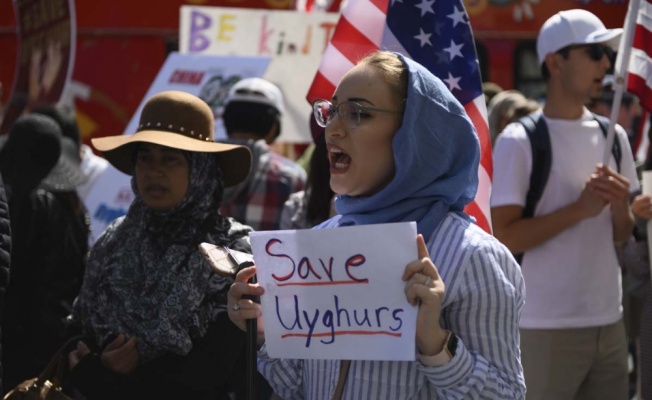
[[294, 40], [337, 293]]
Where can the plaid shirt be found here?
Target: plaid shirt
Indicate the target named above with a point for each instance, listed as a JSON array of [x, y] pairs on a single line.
[[258, 201]]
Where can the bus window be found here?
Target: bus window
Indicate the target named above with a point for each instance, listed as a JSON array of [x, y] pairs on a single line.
[[527, 72]]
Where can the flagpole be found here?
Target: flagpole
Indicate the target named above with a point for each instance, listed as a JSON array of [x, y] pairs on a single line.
[[620, 75]]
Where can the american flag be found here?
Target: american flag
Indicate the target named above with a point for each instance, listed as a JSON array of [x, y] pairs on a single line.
[[435, 33], [318, 5], [639, 79]]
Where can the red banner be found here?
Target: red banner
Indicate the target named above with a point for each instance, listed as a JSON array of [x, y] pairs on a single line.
[[45, 55]]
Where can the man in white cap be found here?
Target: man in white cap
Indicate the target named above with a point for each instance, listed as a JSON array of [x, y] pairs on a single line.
[[252, 117], [573, 343]]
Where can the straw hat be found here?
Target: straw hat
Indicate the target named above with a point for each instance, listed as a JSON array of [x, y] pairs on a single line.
[[181, 121]]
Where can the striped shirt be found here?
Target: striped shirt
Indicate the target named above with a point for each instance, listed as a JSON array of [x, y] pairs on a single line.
[[482, 305]]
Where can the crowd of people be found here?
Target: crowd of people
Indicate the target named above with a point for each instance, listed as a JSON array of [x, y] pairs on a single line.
[[553, 305]]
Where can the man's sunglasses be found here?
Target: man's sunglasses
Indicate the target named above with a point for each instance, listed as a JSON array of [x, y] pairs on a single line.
[[595, 50]]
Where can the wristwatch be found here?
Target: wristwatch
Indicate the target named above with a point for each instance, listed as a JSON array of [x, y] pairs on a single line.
[[445, 355]]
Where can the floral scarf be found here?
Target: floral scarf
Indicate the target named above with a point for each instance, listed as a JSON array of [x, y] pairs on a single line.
[[145, 276]]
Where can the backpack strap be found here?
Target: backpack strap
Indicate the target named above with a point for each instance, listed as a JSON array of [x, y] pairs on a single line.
[[537, 132], [616, 150]]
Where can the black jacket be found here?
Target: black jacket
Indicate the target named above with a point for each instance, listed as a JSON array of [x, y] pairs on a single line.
[[5, 247], [214, 367], [49, 246]]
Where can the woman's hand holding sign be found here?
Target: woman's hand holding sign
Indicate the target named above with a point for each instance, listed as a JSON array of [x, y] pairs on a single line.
[[425, 288], [242, 308]]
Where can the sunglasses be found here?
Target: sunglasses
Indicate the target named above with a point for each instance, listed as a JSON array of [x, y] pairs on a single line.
[[349, 112], [595, 50]]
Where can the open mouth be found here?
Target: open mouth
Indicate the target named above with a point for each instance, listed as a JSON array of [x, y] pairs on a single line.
[[339, 160]]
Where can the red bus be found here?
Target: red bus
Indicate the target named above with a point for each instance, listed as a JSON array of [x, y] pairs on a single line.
[[121, 44], [505, 32]]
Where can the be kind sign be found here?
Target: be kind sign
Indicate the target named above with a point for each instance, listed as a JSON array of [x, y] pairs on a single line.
[[294, 40], [337, 293]]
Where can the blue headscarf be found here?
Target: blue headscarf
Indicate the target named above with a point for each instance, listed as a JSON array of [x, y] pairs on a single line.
[[436, 153]]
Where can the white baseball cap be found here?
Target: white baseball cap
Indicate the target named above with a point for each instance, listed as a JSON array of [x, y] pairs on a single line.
[[574, 27], [257, 90]]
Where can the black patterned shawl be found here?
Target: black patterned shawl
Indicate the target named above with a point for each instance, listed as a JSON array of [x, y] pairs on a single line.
[[146, 277]]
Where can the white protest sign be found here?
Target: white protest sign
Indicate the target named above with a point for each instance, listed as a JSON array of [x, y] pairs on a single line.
[[646, 184], [108, 198], [337, 293], [295, 40], [205, 76]]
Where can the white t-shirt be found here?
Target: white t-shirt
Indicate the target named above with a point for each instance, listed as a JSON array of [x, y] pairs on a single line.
[[573, 280]]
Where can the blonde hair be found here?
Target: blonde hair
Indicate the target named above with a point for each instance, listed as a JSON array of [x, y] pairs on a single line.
[[507, 107], [391, 68]]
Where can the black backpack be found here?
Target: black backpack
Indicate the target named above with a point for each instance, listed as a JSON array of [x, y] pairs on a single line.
[[537, 132]]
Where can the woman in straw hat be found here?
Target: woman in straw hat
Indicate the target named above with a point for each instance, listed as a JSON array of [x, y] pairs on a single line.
[[151, 307]]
